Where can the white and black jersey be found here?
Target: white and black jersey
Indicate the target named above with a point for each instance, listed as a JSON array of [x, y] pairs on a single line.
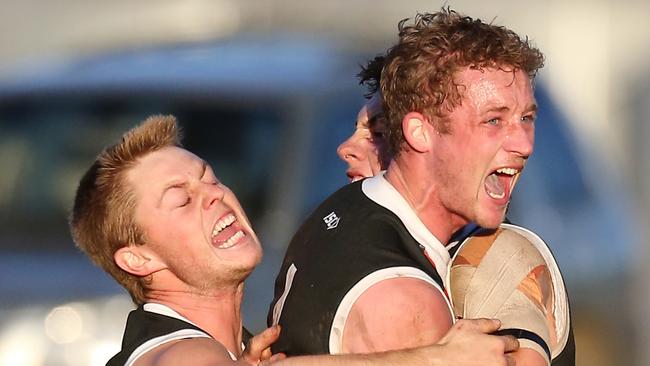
[[149, 326], [364, 233]]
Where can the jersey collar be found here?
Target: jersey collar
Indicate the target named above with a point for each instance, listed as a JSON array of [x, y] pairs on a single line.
[[379, 190]]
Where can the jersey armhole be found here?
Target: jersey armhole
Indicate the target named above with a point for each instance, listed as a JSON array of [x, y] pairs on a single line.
[[159, 341], [344, 308]]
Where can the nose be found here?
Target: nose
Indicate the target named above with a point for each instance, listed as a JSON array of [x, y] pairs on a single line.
[[520, 139], [212, 193], [348, 150]]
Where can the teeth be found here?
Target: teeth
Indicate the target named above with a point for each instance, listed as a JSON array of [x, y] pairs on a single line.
[[222, 224], [496, 196], [508, 171], [232, 240]]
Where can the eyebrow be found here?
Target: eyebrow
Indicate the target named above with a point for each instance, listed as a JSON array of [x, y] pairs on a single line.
[[531, 108], [181, 183], [497, 109], [204, 168]]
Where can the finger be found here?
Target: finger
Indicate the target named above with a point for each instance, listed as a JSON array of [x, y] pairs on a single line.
[[484, 325], [274, 358], [266, 354], [510, 361], [261, 342], [278, 357], [511, 343], [264, 340]]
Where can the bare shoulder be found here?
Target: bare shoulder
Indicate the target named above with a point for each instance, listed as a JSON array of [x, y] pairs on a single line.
[[396, 313], [191, 351]]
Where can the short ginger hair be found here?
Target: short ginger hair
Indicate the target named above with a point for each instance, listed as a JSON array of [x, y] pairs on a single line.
[[418, 72]]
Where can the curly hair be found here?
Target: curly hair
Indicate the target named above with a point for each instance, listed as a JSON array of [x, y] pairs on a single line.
[[102, 218], [418, 72], [370, 75]]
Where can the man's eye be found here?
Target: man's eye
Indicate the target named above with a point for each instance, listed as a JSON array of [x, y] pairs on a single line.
[[493, 121], [528, 118], [187, 202]]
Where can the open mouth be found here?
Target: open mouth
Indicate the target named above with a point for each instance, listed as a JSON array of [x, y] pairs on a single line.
[[354, 176], [499, 184], [227, 232]]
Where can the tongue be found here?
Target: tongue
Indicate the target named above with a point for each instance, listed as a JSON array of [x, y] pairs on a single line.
[[225, 234], [494, 186]]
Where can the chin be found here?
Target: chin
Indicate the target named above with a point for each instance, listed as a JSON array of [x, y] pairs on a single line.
[[491, 220], [248, 268]]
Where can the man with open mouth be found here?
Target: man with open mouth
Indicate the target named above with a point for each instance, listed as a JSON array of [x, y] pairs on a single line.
[[370, 263], [366, 154]]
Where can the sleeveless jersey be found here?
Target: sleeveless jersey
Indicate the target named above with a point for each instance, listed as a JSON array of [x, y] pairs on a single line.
[[362, 234], [149, 326]]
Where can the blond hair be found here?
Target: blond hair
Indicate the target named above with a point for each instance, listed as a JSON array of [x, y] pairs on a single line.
[[102, 219]]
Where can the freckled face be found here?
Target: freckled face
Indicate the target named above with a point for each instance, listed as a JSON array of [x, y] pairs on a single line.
[[192, 221], [492, 136]]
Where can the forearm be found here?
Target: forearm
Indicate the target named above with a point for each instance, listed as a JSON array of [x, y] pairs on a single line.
[[393, 358], [468, 343]]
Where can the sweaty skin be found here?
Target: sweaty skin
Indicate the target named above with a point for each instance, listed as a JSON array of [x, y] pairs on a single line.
[[446, 177], [448, 180]]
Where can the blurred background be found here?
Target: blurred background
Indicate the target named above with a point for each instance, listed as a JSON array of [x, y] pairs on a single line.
[[265, 91]]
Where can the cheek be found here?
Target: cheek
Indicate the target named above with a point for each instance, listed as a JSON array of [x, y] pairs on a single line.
[[531, 135], [185, 229]]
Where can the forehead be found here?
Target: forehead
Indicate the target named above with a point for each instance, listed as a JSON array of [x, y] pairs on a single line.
[[374, 105], [362, 117], [369, 110], [156, 170], [166, 161], [495, 86]]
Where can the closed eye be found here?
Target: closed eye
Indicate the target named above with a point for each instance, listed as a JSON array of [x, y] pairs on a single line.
[[187, 202]]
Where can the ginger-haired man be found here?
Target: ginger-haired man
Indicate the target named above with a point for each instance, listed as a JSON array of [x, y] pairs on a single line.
[[370, 262], [541, 318]]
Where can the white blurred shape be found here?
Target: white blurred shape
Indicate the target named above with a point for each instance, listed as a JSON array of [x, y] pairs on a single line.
[[112, 313], [22, 344], [63, 324], [102, 352]]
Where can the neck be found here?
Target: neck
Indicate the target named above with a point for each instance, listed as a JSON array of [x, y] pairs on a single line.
[[421, 192], [219, 314]]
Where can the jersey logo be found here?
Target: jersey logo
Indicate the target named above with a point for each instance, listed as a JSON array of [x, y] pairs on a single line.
[[331, 220]]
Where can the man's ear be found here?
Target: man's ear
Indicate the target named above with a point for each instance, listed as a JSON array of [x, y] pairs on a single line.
[[417, 131], [136, 260]]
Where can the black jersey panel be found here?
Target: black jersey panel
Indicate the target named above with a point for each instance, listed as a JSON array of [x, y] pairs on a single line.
[[142, 326], [345, 239]]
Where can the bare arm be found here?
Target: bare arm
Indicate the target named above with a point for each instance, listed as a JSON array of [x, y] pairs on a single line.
[[396, 313], [193, 351], [208, 352], [466, 344]]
